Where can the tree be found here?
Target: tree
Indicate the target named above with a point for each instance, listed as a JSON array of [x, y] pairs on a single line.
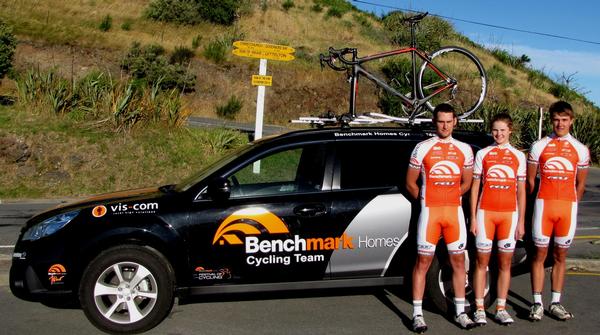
[[8, 44]]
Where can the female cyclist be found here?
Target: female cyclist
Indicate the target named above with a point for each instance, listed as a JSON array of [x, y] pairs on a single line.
[[497, 212]]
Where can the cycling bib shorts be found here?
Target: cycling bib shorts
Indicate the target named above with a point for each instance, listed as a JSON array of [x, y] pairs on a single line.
[[446, 221]]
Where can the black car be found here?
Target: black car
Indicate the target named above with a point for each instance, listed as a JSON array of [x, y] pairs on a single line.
[[314, 209]]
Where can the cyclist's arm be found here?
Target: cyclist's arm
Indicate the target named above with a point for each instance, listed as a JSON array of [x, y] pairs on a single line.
[[521, 201], [580, 182], [412, 175], [531, 173], [467, 179], [474, 200]]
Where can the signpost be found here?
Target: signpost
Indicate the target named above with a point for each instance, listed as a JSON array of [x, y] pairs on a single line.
[[262, 51]]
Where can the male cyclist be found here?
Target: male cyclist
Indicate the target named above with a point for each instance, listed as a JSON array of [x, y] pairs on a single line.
[[563, 164], [445, 166]]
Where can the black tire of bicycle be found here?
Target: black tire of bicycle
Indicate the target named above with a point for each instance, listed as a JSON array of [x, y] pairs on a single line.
[[470, 56]]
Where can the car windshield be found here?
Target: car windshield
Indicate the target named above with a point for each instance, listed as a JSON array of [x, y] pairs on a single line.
[[197, 177]]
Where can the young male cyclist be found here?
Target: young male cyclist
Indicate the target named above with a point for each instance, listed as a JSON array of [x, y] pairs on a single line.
[[498, 212], [445, 166], [563, 164]]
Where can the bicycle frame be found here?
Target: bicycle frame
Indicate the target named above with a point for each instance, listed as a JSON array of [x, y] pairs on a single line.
[[415, 103]]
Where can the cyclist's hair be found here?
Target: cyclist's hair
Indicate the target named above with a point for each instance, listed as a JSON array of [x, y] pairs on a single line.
[[504, 117], [561, 107], [443, 108]]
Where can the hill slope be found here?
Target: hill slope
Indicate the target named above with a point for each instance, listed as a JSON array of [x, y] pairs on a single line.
[[65, 36]]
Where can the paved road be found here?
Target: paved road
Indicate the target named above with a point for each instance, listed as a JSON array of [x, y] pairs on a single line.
[[356, 312]]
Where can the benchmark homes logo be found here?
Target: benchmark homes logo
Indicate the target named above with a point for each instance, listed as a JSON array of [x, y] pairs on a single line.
[[248, 221]]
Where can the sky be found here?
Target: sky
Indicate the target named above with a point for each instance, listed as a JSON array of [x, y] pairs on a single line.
[[556, 57]]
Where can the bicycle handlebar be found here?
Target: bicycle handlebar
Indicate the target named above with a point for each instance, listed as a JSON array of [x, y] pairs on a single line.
[[335, 54]]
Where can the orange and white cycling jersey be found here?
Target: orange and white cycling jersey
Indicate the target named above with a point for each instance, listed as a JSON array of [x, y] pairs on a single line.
[[558, 159], [555, 211], [441, 162], [500, 167]]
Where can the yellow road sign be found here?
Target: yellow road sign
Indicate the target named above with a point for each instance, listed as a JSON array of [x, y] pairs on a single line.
[[263, 47], [263, 54], [262, 80]]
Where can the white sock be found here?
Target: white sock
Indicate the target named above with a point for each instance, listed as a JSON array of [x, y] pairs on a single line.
[[500, 304], [459, 303], [417, 307], [479, 303], [537, 298], [555, 297]]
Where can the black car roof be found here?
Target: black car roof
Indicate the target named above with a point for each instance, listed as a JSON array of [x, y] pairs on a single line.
[[376, 133]]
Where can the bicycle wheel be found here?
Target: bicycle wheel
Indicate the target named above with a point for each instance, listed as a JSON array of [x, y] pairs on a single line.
[[455, 76]]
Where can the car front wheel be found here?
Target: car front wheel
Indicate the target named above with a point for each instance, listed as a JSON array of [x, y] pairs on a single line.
[[127, 289]]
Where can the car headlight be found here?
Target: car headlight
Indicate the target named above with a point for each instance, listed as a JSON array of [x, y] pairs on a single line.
[[49, 226]]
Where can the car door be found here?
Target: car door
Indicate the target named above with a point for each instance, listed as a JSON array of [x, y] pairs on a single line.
[[275, 224], [370, 202]]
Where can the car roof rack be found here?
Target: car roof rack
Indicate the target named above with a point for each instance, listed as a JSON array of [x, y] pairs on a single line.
[[345, 120]]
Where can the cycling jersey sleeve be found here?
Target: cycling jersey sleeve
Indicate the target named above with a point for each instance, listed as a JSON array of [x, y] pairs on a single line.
[[522, 169], [416, 158], [534, 153], [584, 157], [478, 167]]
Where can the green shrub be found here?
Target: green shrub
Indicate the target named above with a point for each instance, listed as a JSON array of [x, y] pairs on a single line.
[[126, 25], [106, 23], [8, 44], [430, 33], [196, 41], [230, 109], [562, 91], [538, 79], [336, 8], [216, 51], [176, 11], [148, 64], [497, 73], [181, 55], [316, 8], [287, 4], [334, 12], [193, 11]]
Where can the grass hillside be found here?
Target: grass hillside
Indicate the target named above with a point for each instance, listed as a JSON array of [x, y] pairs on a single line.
[[53, 146]]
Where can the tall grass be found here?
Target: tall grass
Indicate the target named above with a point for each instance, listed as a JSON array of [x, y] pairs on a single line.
[[97, 97]]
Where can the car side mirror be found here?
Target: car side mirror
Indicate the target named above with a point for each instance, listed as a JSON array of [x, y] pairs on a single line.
[[219, 189]]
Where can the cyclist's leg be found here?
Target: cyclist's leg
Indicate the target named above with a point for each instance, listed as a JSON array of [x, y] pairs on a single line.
[[542, 229], [485, 234], [455, 235], [563, 236], [428, 232], [507, 225]]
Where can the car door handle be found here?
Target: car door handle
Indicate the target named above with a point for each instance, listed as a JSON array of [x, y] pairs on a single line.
[[311, 210]]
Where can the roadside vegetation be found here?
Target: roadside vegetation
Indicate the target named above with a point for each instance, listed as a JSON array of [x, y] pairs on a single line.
[[117, 80]]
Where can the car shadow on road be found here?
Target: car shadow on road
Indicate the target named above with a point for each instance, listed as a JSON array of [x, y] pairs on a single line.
[[517, 302]]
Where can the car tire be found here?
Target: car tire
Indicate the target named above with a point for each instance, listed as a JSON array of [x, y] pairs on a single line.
[[125, 279], [439, 283]]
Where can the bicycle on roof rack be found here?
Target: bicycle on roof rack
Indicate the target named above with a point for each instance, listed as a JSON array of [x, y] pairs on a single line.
[[451, 74]]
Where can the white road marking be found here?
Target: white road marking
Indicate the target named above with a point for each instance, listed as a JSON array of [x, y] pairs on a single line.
[[7, 246]]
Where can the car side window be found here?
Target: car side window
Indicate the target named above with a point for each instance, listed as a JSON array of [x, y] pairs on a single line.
[[372, 164], [296, 170]]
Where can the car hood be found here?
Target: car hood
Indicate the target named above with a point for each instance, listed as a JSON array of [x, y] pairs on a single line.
[[141, 194]]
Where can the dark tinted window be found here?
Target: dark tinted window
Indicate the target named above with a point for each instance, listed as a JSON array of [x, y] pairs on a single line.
[[293, 170], [370, 164]]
